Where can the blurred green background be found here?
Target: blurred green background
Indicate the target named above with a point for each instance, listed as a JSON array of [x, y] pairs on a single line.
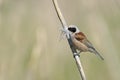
[[30, 45]]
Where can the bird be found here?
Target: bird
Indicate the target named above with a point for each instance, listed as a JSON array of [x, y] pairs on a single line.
[[80, 41]]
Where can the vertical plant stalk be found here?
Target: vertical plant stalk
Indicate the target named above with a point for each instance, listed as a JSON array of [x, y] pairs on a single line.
[[64, 25]]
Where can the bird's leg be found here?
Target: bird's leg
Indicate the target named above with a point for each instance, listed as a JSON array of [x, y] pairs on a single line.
[[77, 53]]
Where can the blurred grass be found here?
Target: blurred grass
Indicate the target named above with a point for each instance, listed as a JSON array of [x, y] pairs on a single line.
[[29, 39]]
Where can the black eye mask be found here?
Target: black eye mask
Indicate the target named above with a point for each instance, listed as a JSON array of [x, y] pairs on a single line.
[[72, 29]]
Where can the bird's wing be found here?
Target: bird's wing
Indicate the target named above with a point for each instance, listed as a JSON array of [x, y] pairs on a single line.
[[88, 43], [80, 36], [91, 48]]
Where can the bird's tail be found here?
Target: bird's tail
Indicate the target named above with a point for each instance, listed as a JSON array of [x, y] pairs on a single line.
[[93, 50], [98, 54]]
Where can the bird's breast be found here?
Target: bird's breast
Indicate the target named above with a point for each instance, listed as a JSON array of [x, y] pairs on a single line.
[[79, 45]]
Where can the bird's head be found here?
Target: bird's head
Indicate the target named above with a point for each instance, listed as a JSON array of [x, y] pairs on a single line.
[[73, 29]]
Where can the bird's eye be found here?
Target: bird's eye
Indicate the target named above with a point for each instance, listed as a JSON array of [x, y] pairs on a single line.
[[72, 29]]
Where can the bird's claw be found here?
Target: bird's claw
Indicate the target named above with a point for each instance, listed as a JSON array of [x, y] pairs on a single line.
[[76, 54]]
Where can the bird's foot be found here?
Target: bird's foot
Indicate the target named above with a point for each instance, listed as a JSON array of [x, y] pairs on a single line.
[[76, 54]]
